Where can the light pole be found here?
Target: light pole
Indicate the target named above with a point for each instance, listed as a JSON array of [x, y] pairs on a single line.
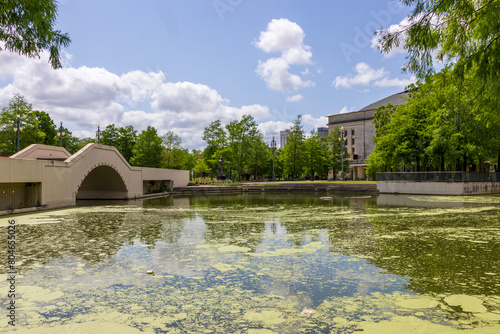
[[98, 134], [342, 163], [60, 133], [273, 147], [18, 128]]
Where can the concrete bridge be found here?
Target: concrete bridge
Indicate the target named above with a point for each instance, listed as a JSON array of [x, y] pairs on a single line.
[[50, 177]]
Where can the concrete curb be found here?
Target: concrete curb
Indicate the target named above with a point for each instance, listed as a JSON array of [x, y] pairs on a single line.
[[282, 187]]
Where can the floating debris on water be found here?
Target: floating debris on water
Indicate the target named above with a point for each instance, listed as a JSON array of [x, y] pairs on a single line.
[[308, 312]]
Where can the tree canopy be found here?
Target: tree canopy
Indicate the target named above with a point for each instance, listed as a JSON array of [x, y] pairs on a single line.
[[442, 127], [27, 28], [465, 32]]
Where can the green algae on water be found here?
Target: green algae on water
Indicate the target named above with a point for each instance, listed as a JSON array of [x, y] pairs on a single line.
[[252, 263]]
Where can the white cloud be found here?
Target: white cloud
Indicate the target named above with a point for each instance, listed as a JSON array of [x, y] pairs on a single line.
[[273, 128], [321, 121], [366, 76], [395, 82], [275, 72], [84, 97], [287, 38], [400, 27], [294, 98], [376, 39], [346, 110]]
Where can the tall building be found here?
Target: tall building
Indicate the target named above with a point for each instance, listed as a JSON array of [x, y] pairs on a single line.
[[359, 131], [283, 135], [323, 131]]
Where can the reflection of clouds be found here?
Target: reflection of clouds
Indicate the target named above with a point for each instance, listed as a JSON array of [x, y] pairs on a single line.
[[183, 258]]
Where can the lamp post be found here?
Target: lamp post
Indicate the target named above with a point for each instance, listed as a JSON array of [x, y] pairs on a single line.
[[98, 134], [342, 163], [60, 133], [18, 128], [273, 147]]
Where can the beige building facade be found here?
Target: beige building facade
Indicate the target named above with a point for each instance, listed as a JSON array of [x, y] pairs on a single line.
[[49, 177], [359, 131]]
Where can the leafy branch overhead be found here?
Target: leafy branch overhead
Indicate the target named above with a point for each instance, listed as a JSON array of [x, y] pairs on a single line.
[[463, 32], [27, 28]]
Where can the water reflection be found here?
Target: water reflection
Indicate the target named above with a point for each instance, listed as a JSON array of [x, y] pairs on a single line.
[[250, 262]]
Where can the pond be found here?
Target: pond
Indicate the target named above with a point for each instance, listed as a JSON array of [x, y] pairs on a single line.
[[258, 264]]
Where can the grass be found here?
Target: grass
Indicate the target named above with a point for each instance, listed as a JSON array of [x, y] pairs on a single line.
[[219, 183]]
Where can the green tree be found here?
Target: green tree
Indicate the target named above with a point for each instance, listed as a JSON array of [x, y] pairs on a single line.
[[382, 158], [442, 127], [201, 168], [335, 149], [110, 136], [292, 154], [259, 156], [47, 130], [243, 135], [465, 32], [27, 28], [123, 138], [315, 155], [173, 151], [148, 149], [71, 143], [30, 134], [215, 137], [82, 142], [127, 138], [190, 160]]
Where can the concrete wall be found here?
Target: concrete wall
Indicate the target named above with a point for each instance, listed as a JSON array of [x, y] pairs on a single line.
[[42, 152], [364, 130], [96, 171], [439, 188], [179, 178]]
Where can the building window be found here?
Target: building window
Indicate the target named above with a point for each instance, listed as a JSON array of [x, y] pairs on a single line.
[[352, 141], [353, 151], [352, 132]]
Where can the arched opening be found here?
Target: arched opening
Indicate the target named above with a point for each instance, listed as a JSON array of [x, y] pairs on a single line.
[[103, 182]]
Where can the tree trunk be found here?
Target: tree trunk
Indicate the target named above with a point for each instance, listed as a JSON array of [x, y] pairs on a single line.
[[442, 162], [465, 163]]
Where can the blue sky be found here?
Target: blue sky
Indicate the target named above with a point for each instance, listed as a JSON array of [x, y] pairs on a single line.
[[179, 65]]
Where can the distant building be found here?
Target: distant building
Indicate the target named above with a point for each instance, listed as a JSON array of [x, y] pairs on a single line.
[[283, 136], [323, 131], [359, 131]]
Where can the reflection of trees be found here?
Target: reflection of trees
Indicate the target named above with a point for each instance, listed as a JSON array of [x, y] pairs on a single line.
[[169, 231], [353, 237], [242, 235], [91, 236], [94, 228], [443, 254], [439, 253], [298, 232]]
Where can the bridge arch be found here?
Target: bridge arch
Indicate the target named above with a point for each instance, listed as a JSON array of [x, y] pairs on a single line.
[[102, 181]]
